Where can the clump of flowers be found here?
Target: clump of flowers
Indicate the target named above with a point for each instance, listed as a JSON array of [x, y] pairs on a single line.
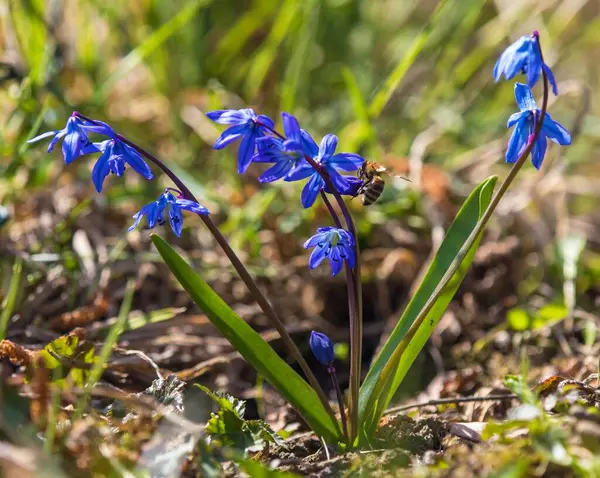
[[293, 156]]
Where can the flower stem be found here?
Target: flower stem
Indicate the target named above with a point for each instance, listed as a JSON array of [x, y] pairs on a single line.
[[241, 270], [353, 278], [355, 325], [340, 397], [464, 250]]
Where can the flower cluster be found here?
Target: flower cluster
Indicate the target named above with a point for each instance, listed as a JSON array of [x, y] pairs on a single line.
[[116, 155], [525, 56], [295, 156], [154, 211]]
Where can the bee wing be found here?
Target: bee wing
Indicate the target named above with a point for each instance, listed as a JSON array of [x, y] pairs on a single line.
[[397, 176]]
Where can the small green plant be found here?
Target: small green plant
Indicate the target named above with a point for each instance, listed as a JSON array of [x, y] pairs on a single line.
[[228, 427]]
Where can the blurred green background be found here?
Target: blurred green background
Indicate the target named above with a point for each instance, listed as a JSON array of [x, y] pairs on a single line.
[[393, 78]]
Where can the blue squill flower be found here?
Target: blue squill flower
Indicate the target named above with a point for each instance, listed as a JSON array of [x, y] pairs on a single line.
[[322, 347], [247, 125], [154, 212], [334, 244], [525, 121], [285, 153], [115, 156], [524, 56], [324, 155], [75, 137]]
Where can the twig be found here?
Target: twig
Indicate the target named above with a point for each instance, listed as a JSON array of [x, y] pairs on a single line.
[[446, 401]]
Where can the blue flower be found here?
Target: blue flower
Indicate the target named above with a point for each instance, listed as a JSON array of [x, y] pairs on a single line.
[[322, 347], [247, 125], [524, 56], [334, 244], [324, 155], [285, 153], [75, 137], [525, 122], [115, 155], [154, 212]]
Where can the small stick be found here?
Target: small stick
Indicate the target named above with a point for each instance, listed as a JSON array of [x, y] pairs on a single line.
[[340, 397], [445, 401]]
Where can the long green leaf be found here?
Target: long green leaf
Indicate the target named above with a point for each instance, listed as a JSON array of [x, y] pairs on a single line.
[[10, 301], [397, 355], [251, 345]]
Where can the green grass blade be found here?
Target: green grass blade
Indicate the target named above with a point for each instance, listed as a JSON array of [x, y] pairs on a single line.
[[397, 355], [107, 347], [393, 80], [251, 345], [10, 301], [151, 44], [268, 53], [295, 70]]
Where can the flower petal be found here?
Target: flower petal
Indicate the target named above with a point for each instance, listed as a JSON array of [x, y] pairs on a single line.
[[101, 170], [263, 120], [335, 261], [135, 160], [291, 127], [555, 131], [309, 145], [39, 137], [72, 145], [301, 170], [340, 182], [525, 99], [349, 256], [534, 63], [517, 140], [56, 139], [311, 190], [276, 172], [192, 206], [516, 117], [175, 219], [551, 79], [230, 135], [99, 127], [314, 240], [511, 61], [152, 212], [246, 151], [327, 147], [539, 151], [317, 256], [237, 117], [346, 161]]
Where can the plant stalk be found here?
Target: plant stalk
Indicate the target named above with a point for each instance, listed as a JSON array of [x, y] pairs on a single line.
[[353, 277], [340, 397], [464, 250]]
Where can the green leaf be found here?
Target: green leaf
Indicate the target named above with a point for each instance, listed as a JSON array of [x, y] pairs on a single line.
[[10, 301], [396, 357], [229, 427], [251, 345], [225, 401], [68, 355]]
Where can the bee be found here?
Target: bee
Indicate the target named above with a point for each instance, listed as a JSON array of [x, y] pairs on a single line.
[[370, 173]]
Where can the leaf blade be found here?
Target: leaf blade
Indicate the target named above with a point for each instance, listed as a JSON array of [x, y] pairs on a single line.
[[397, 355], [250, 344]]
